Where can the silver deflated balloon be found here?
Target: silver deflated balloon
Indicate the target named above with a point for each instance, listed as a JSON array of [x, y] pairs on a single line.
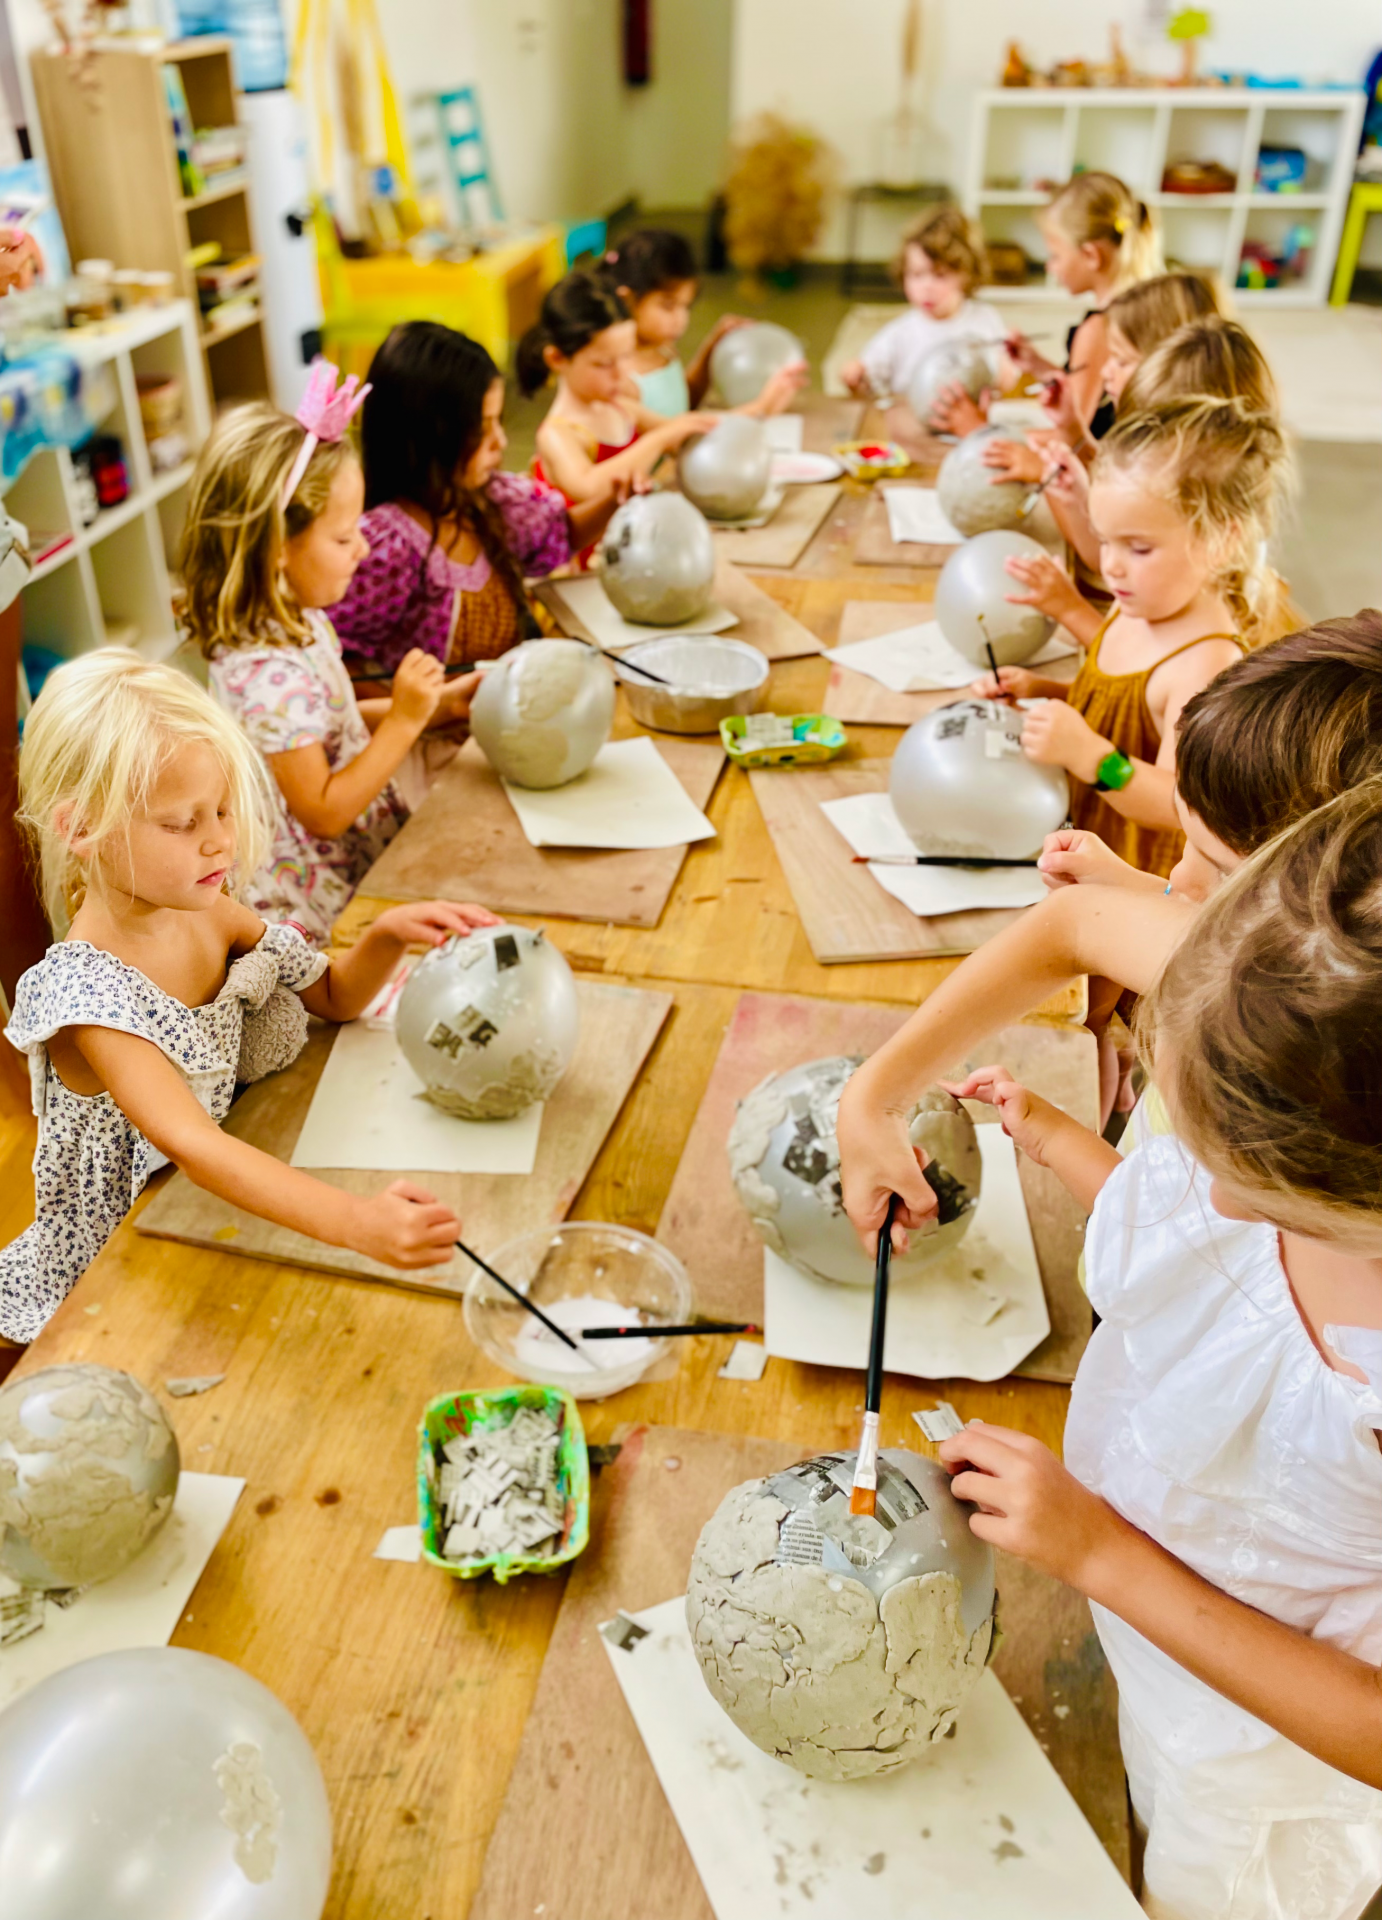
[[159, 1784], [725, 472], [88, 1474], [972, 497], [785, 1164], [657, 561], [489, 1023], [745, 359], [543, 712], [961, 362], [973, 610], [961, 784], [842, 1644]]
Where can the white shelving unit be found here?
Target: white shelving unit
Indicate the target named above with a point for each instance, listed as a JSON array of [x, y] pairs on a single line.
[[116, 572], [1023, 135]]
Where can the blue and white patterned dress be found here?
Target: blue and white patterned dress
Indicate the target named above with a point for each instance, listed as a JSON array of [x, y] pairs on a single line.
[[91, 1162]]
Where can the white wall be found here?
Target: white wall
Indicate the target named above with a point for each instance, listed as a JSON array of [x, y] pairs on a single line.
[[678, 125]]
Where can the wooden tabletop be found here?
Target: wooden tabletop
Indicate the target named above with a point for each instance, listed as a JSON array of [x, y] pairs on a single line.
[[412, 1687]]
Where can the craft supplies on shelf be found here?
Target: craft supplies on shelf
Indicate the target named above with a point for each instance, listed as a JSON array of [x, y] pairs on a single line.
[[781, 740], [503, 1482]]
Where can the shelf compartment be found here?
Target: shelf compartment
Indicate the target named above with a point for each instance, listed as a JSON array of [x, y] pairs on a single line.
[[1317, 134], [60, 609], [1017, 226], [1203, 134], [1120, 140], [130, 586], [1195, 235], [1026, 144], [1273, 227]]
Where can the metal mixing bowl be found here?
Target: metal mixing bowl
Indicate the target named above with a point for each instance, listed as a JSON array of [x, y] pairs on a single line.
[[710, 677]]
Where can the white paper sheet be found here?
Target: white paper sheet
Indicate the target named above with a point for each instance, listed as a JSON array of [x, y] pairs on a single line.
[[400, 1543], [980, 1828], [784, 432], [971, 1314], [588, 601], [747, 1361], [142, 1605], [914, 513], [369, 1111], [871, 827], [919, 659], [628, 797]]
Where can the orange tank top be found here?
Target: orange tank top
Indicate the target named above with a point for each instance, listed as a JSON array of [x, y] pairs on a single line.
[[1115, 705]]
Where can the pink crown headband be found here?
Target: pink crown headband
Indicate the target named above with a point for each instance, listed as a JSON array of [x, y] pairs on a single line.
[[325, 410]]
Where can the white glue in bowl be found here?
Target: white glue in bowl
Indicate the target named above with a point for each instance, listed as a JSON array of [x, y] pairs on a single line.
[[709, 678], [582, 1274]]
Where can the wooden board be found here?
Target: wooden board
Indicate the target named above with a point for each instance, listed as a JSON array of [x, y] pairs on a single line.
[[618, 1028], [762, 622], [465, 843], [784, 538], [707, 1228], [585, 1832], [875, 546], [844, 912], [858, 698], [828, 421]]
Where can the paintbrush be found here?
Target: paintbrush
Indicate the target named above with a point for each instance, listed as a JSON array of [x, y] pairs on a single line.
[[933, 860], [453, 672], [654, 1332], [1035, 495], [521, 1298], [863, 1497], [646, 672]]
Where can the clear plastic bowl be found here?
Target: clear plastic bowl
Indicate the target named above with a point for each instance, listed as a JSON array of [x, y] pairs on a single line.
[[570, 1261]]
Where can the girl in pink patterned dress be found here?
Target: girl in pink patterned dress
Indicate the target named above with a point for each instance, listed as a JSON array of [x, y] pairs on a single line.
[[272, 539]]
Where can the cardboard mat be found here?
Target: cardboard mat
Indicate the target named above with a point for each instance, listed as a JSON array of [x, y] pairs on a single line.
[[759, 621], [785, 536]]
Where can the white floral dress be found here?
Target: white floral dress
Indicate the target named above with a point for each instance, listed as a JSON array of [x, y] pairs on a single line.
[[292, 696], [91, 1163]]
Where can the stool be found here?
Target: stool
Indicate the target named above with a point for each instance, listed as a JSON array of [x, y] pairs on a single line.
[[1365, 198]]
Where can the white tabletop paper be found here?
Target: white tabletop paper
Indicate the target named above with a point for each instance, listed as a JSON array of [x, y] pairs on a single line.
[[585, 596], [870, 825], [629, 797], [784, 432], [914, 513], [919, 659]]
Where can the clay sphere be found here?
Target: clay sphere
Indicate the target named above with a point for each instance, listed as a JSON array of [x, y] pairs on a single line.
[[785, 1165], [544, 712], [657, 561], [961, 784], [972, 605], [840, 1644], [88, 1473], [971, 502], [745, 360], [489, 1023], [725, 472], [959, 360]]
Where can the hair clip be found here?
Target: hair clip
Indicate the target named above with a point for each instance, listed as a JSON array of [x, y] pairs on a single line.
[[1120, 225], [325, 411]]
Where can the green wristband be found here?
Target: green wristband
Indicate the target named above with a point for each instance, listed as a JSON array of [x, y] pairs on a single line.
[[1114, 772]]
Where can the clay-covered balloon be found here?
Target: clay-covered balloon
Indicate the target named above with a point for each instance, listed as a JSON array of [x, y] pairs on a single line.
[[159, 1784], [785, 1164], [969, 497], [961, 784], [544, 712], [725, 472], [489, 1022], [88, 1474], [962, 361], [657, 560], [842, 1644], [745, 359], [972, 605]]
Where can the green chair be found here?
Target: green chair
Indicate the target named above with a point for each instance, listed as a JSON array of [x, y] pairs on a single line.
[[1366, 198]]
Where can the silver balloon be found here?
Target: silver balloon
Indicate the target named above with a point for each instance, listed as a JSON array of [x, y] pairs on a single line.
[[88, 1474], [726, 472], [745, 359], [159, 1784], [972, 605], [657, 562], [489, 1022], [961, 784], [544, 712], [960, 361], [971, 501], [785, 1164]]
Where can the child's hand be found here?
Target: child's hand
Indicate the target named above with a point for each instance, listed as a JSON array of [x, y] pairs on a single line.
[[1058, 398], [404, 1226], [1048, 586], [1028, 1503], [854, 376], [1023, 354], [727, 323], [1076, 857], [953, 411], [453, 709], [685, 426], [1026, 1117], [428, 923], [780, 389], [1011, 460], [1056, 736], [1065, 474], [878, 1159], [418, 685], [20, 259], [1013, 683]]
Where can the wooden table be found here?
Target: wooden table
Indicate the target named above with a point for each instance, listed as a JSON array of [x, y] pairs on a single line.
[[413, 1688]]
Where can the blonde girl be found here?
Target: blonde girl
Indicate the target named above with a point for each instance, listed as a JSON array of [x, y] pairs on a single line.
[[1183, 498], [145, 802], [273, 539]]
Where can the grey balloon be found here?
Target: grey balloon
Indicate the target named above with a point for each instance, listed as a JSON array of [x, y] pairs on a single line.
[[658, 560], [725, 472], [88, 1475], [489, 1022], [785, 1165], [745, 359], [961, 784], [972, 605], [544, 712], [968, 495], [962, 361], [159, 1784]]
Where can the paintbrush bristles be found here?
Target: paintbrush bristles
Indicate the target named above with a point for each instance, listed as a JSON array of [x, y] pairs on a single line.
[[864, 1500]]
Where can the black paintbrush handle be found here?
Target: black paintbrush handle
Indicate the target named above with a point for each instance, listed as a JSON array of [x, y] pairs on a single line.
[[655, 1332], [873, 1386], [453, 672], [938, 860], [521, 1298]]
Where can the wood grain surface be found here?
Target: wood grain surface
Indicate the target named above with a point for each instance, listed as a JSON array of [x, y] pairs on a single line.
[[762, 623], [785, 535]]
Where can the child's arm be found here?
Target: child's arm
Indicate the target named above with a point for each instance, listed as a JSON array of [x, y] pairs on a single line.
[[404, 1225], [1326, 1701], [570, 468], [1075, 857], [356, 975], [955, 411], [1050, 588], [698, 371], [1082, 381], [1026, 357], [1011, 460], [778, 392], [1080, 1160], [1077, 930], [1056, 736], [325, 802], [589, 518], [855, 375], [1019, 683]]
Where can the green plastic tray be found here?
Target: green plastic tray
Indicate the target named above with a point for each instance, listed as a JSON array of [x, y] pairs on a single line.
[[816, 737], [454, 1413]]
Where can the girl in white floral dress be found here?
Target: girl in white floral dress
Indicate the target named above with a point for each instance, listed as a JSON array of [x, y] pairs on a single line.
[[141, 792]]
